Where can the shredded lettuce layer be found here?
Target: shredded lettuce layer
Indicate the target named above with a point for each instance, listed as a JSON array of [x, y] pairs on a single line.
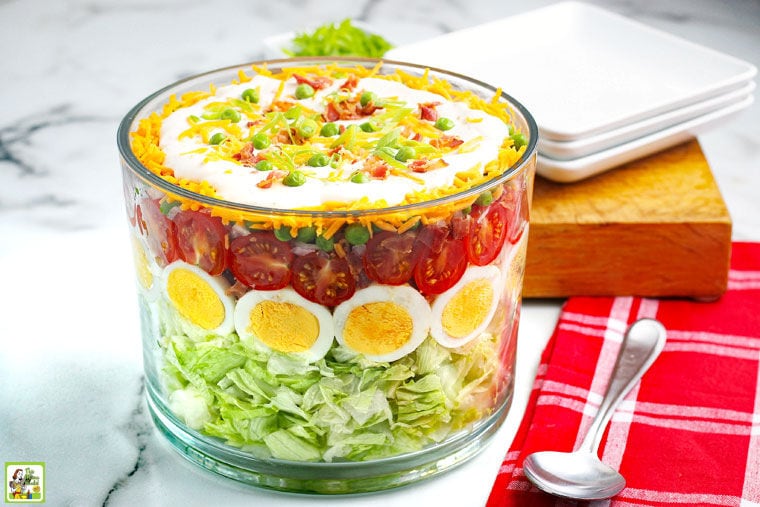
[[343, 407]]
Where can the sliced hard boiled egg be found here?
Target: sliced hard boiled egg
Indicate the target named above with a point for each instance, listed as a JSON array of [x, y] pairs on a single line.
[[199, 297], [284, 321], [146, 269], [383, 322], [464, 311]]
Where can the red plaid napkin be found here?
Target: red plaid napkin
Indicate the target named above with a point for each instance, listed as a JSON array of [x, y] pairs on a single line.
[[689, 432]]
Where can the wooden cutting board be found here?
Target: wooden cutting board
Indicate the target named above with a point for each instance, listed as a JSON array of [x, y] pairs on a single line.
[[657, 226]]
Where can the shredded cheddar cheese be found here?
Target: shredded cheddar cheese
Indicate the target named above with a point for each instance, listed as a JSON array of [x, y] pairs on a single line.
[[238, 132]]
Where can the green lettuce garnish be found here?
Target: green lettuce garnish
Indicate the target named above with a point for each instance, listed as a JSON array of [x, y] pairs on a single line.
[[343, 39]]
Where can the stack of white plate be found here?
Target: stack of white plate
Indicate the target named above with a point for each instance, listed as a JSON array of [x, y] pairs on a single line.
[[604, 89]]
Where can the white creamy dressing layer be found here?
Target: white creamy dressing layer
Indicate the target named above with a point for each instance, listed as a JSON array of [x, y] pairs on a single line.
[[237, 183]]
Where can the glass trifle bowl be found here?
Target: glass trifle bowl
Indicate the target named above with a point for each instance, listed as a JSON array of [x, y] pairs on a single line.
[[329, 258]]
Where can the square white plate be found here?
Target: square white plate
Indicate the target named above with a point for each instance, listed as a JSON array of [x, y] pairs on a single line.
[[567, 171], [583, 147], [582, 70]]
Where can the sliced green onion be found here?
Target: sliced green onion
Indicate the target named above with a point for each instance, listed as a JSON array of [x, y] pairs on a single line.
[[405, 153], [359, 178], [369, 126]]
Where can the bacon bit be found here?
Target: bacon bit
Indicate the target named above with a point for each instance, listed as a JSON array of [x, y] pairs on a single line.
[[237, 290], [446, 142], [350, 83], [460, 225], [340, 249], [316, 82], [428, 112], [284, 136], [376, 168], [246, 156], [273, 176], [349, 109], [280, 106], [424, 165]]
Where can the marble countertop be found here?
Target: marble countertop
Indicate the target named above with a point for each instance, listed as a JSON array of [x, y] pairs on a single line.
[[70, 375]]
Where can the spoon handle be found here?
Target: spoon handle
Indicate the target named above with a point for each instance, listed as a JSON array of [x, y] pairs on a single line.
[[642, 343]]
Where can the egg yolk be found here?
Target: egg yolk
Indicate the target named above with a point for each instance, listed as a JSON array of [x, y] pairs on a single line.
[[467, 309], [377, 328], [195, 299], [144, 275], [284, 327]]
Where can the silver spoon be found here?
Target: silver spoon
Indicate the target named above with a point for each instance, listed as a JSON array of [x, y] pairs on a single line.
[[580, 474]]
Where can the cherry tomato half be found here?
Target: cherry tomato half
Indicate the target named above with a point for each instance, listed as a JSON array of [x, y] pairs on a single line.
[[515, 199], [159, 231], [487, 233], [440, 264], [202, 240], [322, 278], [389, 258], [260, 261]]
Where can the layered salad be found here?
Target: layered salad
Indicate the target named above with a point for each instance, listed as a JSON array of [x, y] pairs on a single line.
[[332, 268]]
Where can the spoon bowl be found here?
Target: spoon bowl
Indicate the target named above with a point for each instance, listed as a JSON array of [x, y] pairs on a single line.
[[581, 475], [577, 475]]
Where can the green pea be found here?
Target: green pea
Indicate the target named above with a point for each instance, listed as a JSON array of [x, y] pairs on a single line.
[[329, 130], [283, 233], [467, 210], [367, 97], [484, 199], [294, 179], [307, 128], [443, 123], [318, 160], [264, 165], [359, 178], [356, 234], [230, 114], [519, 140], [325, 244], [261, 141], [217, 138], [304, 91], [251, 95], [405, 153], [307, 234], [368, 126]]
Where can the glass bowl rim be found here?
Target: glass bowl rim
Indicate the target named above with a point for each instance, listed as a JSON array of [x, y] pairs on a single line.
[[128, 156]]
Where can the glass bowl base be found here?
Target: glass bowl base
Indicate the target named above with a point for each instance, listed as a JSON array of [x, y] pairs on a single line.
[[320, 478]]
